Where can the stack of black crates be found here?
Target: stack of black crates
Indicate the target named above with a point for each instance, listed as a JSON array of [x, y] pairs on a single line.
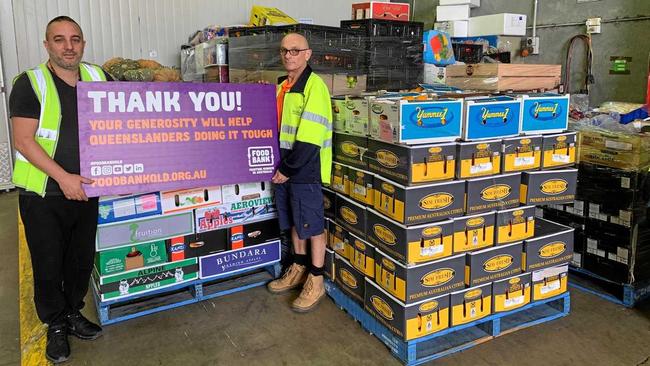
[[393, 52]]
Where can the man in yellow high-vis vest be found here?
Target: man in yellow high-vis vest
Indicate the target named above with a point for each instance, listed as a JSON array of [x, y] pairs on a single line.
[[305, 124], [60, 221]]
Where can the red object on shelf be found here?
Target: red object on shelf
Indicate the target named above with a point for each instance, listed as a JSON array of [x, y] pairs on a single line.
[[381, 10]]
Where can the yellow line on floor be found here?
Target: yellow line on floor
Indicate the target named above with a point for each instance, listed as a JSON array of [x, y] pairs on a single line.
[[32, 331]]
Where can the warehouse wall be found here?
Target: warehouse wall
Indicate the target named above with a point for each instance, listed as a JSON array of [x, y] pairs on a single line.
[[617, 39]]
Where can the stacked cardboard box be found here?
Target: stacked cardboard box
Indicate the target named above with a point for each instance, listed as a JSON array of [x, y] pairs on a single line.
[[147, 242]]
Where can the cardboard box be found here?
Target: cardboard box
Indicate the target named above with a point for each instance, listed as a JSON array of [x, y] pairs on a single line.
[[350, 150], [197, 245], [349, 279], [503, 77], [559, 150], [128, 258], [620, 150], [550, 282], [357, 117], [493, 264], [363, 256], [502, 24], [339, 114], [511, 293], [153, 228], [414, 283], [434, 74], [262, 15], [244, 195], [329, 264], [408, 165], [455, 28], [544, 113], [254, 233], [145, 280], [548, 187], [478, 159], [470, 304], [491, 117], [419, 204], [452, 12], [474, 232], [351, 216], [515, 224], [551, 246], [359, 183], [410, 244], [471, 3], [241, 76], [329, 201], [227, 215], [339, 241], [381, 10], [188, 199], [239, 260], [521, 154], [339, 183], [344, 84], [492, 193], [122, 208], [415, 121], [407, 321]]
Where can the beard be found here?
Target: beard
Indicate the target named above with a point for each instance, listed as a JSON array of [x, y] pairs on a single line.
[[66, 63]]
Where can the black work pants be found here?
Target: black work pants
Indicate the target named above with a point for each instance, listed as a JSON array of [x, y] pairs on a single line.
[[60, 235]]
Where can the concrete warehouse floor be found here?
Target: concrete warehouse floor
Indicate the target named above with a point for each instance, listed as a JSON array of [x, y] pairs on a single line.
[[256, 328]]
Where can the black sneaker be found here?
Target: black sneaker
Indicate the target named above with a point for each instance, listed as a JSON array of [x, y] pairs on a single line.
[[58, 348], [81, 327]]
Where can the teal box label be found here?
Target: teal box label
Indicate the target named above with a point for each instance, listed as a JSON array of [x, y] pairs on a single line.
[[545, 114], [488, 118], [128, 258]]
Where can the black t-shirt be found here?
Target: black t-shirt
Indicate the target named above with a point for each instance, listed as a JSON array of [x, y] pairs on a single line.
[[24, 103]]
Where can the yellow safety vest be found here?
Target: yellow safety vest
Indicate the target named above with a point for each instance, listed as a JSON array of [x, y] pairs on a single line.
[[25, 174]]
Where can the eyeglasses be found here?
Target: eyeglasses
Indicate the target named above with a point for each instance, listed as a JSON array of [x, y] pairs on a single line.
[[292, 52]]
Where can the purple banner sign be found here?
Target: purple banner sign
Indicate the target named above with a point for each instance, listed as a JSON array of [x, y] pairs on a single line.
[[234, 261], [145, 137]]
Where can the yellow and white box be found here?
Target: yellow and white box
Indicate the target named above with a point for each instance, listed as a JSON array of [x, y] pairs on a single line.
[[478, 159], [339, 183], [470, 304], [338, 239], [511, 293], [407, 321], [410, 244], [474, 232], [418, 282], [559, 150], [548, 187], [522, 153], [357, 115], [359, 183], [551, 246], [550, 282], [419, 204], [515, 224], [493, 264], [492, 193]]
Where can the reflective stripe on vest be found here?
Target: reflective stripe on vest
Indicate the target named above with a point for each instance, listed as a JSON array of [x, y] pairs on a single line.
[[25, 174]]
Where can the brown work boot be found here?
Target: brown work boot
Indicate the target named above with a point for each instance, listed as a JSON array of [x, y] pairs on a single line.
[[293, 277], [312, 293]]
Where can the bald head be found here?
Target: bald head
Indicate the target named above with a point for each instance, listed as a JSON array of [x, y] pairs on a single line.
[[295, 39], [295, 53]]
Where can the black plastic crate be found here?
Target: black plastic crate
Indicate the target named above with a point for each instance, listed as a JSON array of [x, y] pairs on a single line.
[[468, 53], [386, 28]]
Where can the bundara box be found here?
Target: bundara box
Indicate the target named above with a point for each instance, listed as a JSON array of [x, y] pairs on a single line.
[[350, 150], [470, 304], [416, 121], [144, 230], [407, 321], [418, 282], [127, 258], [410, 244], [188, 199], [363, 256], [349, 279], [493, 264], [492, 117], [548, 187], [511, 293], [549, 282], [338, 240], [121, 208], [238, 260], [419, 204], [478, 159], [544, 113], [551, 246], [146, 279], [492, 193], [408, 165], [473, 232], [351, 215], [515, 224], [559, 150], [359, 183], [521, 153], [339, 183]]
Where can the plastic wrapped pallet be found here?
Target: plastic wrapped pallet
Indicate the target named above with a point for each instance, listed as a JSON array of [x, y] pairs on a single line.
[[622, 148]]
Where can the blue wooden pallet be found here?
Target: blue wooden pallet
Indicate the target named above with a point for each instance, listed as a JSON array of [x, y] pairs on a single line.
[[115, 311], [624, 294], [455, 339]]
